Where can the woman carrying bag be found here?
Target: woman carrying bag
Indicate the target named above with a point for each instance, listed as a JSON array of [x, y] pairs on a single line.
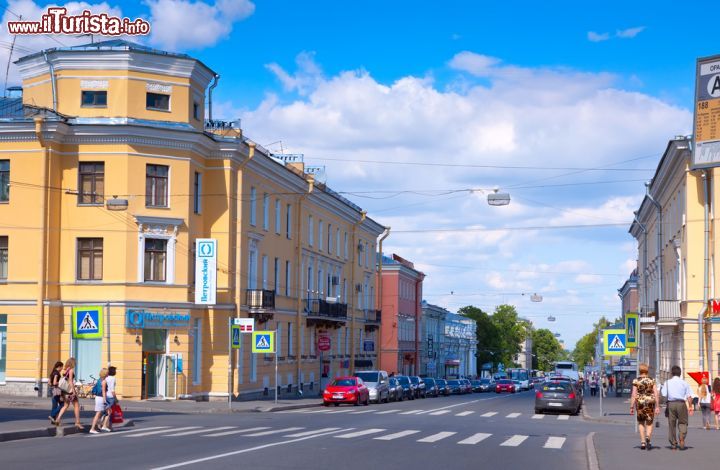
[[69, 395], [705, 401]]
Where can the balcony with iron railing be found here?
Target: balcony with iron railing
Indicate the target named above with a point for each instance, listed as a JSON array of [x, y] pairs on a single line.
[[321, 312], [372, 319], [261, 304]]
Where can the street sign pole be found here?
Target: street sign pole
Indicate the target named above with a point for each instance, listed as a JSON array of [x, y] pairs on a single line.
[[276, 374], [229, 363]]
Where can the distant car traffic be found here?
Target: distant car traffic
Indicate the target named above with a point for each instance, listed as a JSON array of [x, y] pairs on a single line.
[[484, 385], [557, 396], [349, 390], [443, 387], [504, 385], [407, 385], [456, 388]]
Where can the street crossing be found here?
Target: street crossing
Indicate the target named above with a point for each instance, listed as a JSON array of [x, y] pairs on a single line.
[[435, 412], [377, 434]]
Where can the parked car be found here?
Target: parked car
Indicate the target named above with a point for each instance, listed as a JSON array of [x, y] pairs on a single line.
[[518, 385], [558, 396], [443, 387], [467, 385], [504, 385], [395, 390], [456, 388], [349, 390], [486, 385], [419, 386], [407, 386], [377, 383], [431, 388]]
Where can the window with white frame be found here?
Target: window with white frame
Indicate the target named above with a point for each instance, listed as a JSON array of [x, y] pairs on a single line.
[[264, 271], [320, 235], [287, 278], [156, 185], [345, 244], [337, 242], [253, 206], [3, 257], [311, 231], [277, 276], [278, 216], [266, 211], [288, 221], [279, 338], [252, 267], [289, 339], [155, 260], [329, 241]]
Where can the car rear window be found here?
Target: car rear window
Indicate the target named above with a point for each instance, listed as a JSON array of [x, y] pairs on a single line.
[[368, 376], [344, 382], [504, 382], [556, 387]]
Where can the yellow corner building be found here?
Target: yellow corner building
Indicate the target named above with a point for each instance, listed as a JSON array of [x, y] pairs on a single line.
[[109, 173]]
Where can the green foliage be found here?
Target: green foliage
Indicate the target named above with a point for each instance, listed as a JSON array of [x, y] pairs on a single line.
[[499, 335], [584, 352], [547, 349], [487, 336]]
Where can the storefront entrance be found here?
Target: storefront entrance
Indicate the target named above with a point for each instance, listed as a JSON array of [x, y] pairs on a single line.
[[159, 369]]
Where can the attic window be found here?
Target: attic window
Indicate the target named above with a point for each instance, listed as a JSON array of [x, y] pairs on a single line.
[[94, 99], [157, 101]]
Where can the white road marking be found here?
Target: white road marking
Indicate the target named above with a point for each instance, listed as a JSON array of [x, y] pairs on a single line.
[[452, 406], [198, 431], [272, 431], [563, 417], [441, 412], [411, 412], [554, 442], [142, 434], [513, 415], [360, 433], [346, 410], [122, 431], [396, 435], [538, 416], [514, 441], [437, 437], [489, 414], [475, 438], [236, 431], [387, 412], [465, 413], [310, 433], [362, 412]]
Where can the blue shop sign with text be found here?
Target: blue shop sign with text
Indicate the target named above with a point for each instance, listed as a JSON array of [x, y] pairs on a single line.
[[139, 318]]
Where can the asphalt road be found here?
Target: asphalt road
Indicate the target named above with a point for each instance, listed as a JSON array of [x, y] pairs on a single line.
[[469, 431]]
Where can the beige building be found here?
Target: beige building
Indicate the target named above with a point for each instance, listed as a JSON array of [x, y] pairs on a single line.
[[109, 174], [669, 227]]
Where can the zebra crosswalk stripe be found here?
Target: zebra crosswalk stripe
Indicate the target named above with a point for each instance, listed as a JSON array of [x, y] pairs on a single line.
[[563, 417], [396, 435], [538, 416], [441, 412], [554, 442], [411, 412], [236, 431], [465, 413], [360, 433], [489, 414], [437, 437], [272, 431], [310, 433], [514, 441], [475, 438], [387, 412], [160, 431], [513, 415], [198, 431], [362, 412]]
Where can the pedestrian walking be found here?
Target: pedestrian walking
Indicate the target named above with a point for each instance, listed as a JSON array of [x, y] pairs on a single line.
[[679, 396], [111, 398], [604, 384], [704, 397], [611, 383], [55, 391], [716, 401], [593, 387], [69, 395], [646, 402], [100, 392]]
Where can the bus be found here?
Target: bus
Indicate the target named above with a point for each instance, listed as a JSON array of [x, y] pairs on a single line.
[[568, 369], [522, 376]]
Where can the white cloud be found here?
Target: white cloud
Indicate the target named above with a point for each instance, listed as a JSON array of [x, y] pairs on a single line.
[[185, 24], [630, 32], [597, 37], [307, 77]]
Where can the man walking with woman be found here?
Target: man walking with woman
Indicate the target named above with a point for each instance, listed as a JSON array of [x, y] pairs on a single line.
[[679, 399]]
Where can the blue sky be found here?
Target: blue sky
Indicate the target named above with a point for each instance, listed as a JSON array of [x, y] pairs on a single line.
[[427, 87]]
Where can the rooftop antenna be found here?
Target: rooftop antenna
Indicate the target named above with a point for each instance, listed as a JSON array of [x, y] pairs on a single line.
[[7, 68]]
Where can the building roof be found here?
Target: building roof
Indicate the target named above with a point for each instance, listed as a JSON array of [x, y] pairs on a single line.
[[13, 109]]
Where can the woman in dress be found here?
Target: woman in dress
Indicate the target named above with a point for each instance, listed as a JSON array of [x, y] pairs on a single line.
[[705, 401], [646, 402], [71, 397]]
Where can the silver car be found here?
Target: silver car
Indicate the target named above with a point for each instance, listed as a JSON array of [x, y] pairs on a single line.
[[377, 383]]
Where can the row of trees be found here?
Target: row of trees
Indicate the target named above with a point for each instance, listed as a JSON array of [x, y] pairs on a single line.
[[500, 336]]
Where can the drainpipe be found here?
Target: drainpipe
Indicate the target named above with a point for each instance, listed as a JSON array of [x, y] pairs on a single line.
[[658, 207], [298, 280], [353, 289], [52, 81], [645, 292], [706, 284], [42, 271], [378, 302], [214, 84]]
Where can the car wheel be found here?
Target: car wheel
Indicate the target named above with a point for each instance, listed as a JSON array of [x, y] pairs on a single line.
[[538, 411], [357, 401], [367, 401], [337, 404]]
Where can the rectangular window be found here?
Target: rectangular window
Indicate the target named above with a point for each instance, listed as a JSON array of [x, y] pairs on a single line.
[[92, 183], [311, 230], [287, 278], [4, 180], [89, 259], [3, 346], [320, 235], [155, 259], [156, 185], [264, 271], [94, 99], [266, 211], [345, 243], [290, 339], [253, 208], [4, 257], [197, 194], [157, 101], [278, 216], [337, 242], [197, 352], [288, 221], [196, 111], [329, 243], [278, 339], [277, 276]]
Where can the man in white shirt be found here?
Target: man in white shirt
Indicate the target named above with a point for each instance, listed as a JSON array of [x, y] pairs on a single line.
[[679, 396]]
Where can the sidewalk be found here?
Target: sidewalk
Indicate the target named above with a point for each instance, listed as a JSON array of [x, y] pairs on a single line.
[[26, 417]]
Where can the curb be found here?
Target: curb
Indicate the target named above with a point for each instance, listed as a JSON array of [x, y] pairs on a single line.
[[594, 419], [592, 459], [51, 431]]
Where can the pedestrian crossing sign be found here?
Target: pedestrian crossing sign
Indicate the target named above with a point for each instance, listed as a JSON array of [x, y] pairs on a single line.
[[263, 342], [631, 329], [615, 342], [235, 336], [87, 322]]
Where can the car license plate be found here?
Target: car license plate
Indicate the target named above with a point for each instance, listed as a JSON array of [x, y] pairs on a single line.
[[337, 395], [554, 404]]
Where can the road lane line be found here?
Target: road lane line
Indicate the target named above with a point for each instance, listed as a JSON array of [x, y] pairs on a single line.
[[554, 442], [162, 431], [346, 410], [438, 413], [362, 412], [453, 406], [387, 412], [437, 437], [198, 431], [236, 431], [122, 431], [310, 433], [475, 438], [364, 432], [465, 413], [563, 417], [396, 435], [538, 416], [244, 451], [514, 441], [488, 414], [272, 431], [513, 415], [411, 412]]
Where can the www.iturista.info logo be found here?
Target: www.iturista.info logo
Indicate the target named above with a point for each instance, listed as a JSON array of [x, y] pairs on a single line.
[[57, 21]]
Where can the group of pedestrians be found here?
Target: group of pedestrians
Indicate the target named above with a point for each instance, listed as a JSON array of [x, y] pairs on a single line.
[[598, 385], [645, 402], [64, 394]]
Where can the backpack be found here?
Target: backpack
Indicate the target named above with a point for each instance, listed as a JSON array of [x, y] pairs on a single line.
[[97, 388]]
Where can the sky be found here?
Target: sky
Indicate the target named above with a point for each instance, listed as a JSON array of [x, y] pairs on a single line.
[[418, 110]]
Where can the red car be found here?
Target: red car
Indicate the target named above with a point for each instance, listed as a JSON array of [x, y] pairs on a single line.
[[504, 385], [350, 390]]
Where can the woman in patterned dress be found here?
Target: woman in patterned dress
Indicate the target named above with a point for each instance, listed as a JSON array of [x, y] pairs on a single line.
[[647, 402]]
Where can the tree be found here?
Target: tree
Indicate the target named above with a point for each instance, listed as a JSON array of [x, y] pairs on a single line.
[[584, 352], [547, 348], [487, 335], [511, 332]]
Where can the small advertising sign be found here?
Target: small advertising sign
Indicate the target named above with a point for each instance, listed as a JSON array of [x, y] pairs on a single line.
[[205, 271], [706, 151]]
